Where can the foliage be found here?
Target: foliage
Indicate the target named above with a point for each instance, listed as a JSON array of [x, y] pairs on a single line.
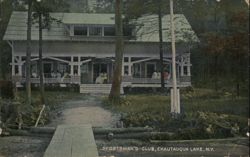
[[5, 51], [221, 59], [29, 113], [204, 110]]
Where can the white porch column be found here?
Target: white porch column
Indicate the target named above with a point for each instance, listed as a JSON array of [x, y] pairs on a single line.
[[123, 66], [13, 66], [129, 67], [182, 70], [189, 70], [20, 66], [20, 69], [72, 66], [79, 66], [182, 66]]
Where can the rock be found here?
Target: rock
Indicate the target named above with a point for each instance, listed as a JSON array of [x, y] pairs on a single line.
[[110, 136]]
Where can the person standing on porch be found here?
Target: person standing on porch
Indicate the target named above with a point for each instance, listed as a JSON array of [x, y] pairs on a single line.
[[58, 76]]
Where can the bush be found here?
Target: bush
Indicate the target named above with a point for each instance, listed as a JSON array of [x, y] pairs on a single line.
[[6, 89], [15, 113]]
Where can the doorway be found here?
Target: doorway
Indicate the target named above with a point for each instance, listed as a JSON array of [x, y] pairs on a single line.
[[150, 69], [99, 68], [85, 73], [47, 69]]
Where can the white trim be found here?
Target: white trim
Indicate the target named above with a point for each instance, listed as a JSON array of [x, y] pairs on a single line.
[[143, 60], [147, 59], [85, 61], [71, 66], [52, 58], [57, 59], [79, 66], [10, 43], [129, 67]]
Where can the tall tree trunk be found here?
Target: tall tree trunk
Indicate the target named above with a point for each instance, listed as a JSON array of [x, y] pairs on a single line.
[[28, 54], [114, 95], [216, 72], [238, 74], [42, 97], [161, 45]]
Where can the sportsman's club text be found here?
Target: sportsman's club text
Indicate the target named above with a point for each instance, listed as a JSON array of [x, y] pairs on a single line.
[[158, 149]]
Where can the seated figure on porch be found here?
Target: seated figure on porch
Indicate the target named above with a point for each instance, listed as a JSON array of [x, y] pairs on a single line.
[[58, 74], [154, 76], [102, 78], [105, 78], [53, 74], [158, 75], [34, 75], [167, 75], [99, 79], [66, 75]]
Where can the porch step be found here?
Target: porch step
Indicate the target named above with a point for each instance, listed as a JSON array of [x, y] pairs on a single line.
[[96, 89]]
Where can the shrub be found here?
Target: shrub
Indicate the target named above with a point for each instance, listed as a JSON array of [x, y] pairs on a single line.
[[6, 89]]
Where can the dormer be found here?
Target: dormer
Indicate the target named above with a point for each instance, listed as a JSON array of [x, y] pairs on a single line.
[[84, 30], [91, 25]]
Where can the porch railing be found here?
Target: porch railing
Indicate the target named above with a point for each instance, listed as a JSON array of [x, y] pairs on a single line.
[[137, 80], [71, 79]]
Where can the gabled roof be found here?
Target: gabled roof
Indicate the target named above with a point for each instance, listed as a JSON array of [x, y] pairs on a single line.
[[146, 27], [17, 28]]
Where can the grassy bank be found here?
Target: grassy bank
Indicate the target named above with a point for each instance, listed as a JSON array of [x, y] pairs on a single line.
[[203, 109], [16, 109]]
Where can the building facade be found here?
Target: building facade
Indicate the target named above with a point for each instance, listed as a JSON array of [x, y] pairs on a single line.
[[81, 50]]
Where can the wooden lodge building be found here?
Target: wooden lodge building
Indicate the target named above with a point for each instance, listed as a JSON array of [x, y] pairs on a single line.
[[80, 49]]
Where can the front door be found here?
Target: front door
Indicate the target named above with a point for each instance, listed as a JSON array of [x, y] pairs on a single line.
[[85, 74], [150, 69], [99, 69], [47, 68]]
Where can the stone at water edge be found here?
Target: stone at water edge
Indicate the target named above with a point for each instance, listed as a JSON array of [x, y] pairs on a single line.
[[110, 136]]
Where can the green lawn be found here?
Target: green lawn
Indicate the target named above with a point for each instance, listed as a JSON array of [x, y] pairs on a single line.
[[199, 100], [52, 98], [203, 106]]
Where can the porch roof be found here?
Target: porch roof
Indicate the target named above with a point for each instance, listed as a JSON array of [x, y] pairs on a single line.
[[146, 28]]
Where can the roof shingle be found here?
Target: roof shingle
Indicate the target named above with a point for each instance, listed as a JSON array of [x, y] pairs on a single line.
[[146, 27]]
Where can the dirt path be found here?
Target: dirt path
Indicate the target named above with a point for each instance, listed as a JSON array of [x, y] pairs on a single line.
[[87, 111]]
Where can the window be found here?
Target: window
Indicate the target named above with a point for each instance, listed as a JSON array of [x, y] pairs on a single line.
[[125, 59], [63, 68], [80, 30], [185, 70], [109, 31], [137, 70], [95, 31], [127, 31], [125, 70]]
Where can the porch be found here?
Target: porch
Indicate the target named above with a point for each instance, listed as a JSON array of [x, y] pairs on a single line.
[[136, 71]]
